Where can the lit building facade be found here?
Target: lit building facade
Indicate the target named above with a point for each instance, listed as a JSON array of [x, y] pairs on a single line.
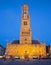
[[50, 50], [25, 49]]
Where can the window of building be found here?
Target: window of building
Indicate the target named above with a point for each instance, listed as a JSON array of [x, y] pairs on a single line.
[[25, 33], [25, 51], [25, 39], [25, 12], [25, 23], [25, 42]]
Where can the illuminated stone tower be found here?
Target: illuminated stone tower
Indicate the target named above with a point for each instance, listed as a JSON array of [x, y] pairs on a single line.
[[25, 31], [25, 50]]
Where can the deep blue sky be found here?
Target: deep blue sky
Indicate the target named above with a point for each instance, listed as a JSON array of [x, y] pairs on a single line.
[[40, 18]]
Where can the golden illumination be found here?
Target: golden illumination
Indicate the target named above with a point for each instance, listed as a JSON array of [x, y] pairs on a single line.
[[25, 49]]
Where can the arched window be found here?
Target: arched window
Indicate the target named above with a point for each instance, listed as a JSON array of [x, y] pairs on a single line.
[[25, 22]]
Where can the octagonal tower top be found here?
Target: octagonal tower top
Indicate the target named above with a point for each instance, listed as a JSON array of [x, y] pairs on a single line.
[[25, 8]]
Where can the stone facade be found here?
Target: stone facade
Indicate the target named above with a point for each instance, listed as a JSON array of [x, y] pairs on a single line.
[[25, 47]]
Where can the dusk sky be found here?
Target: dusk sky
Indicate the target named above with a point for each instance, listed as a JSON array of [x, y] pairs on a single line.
[[10, 19]]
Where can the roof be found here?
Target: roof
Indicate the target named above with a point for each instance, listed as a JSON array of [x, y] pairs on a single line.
[[18, 41], [35, 42], [15, 42]]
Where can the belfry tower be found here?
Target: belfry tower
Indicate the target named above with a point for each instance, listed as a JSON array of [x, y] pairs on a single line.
[[25, 50], [25, 31]]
